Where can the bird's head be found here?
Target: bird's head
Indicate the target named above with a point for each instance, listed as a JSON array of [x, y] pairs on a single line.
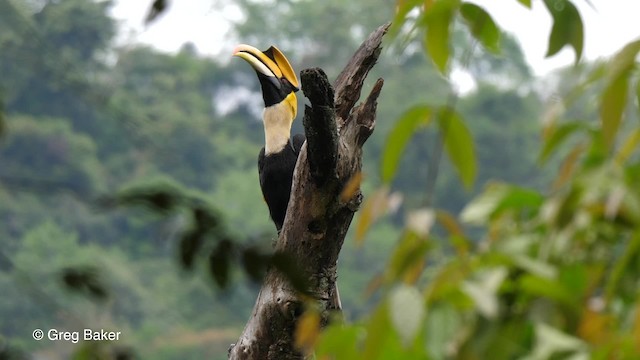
[[277, 78]]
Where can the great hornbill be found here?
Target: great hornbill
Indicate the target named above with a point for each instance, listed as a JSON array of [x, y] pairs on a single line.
[[278, 157]]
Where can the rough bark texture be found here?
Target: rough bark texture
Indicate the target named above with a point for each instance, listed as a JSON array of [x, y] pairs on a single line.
[[317, 219]]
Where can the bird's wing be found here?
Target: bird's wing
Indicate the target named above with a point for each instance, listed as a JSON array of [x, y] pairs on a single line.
[[260, 168]]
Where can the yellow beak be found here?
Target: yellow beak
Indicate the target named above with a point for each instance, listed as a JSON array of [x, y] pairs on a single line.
[[271, 62]]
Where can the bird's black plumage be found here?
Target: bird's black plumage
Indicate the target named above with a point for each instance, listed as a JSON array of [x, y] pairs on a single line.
[[277, 160], [276, 176]]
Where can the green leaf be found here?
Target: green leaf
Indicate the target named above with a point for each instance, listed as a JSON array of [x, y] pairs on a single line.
[[567, 28], [374, 207], [85, 280], [569, 164], [599, 70], [157, 8], [405, 127], [638, 94], [624, 60], [549, 288], [516, 245], [459, 145], [338, 341], [481, 26], [407, 311], [307, 330], [377, 332], [526, 3], [613, 100], [480, 210], [629, 145], [557, 137], [551, 341], [614, 96], [622, 265], [497, 198], [577, 278], [255, 263], [438, 20], [403, 7], [535, 266], [443, 323], [407, 260], [484, 289], [220, 262], [519, 198]]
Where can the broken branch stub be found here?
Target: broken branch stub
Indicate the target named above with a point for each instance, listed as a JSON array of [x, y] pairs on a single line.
[[320, 125]]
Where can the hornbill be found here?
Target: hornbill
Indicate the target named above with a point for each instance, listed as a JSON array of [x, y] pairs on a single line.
[[278, 157]]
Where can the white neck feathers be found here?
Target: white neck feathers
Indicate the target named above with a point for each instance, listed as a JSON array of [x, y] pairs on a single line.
[[277, 121]]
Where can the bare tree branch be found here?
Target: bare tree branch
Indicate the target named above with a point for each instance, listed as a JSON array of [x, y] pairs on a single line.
[[349, 83], [320, 125], [317, 217]]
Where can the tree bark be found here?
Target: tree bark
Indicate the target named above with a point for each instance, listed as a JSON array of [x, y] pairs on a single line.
[[319, 211]]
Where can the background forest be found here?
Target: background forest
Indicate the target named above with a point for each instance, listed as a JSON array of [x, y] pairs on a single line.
[[82, 119]]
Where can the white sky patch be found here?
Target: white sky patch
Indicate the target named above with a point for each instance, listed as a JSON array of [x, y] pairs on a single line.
[[233, 98], [462, 80], [195, 21], [608, 27]]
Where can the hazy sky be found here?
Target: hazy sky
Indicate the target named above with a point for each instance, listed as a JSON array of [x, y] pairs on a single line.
[[608, 27]]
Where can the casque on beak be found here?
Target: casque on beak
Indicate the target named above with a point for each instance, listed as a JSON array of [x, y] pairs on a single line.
[[277, 78]]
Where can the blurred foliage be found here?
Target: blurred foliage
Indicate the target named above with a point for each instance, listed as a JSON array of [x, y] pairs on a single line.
[[85, 280], [157, 7], [544, 271], [66, 160], [116, 163], [2, 116], [205, 234]]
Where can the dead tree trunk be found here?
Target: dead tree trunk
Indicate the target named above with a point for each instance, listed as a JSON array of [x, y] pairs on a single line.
[[318, 217]]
